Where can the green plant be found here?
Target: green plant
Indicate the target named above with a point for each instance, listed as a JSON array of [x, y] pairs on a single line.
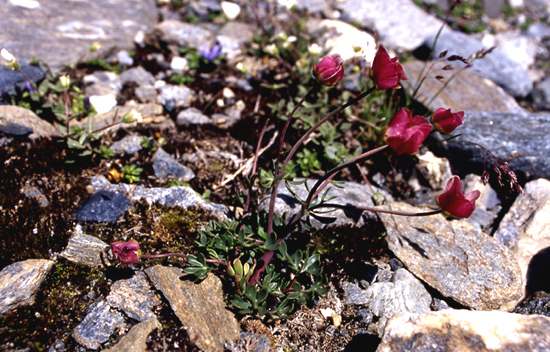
[[105, 152], [181, 79], [131, 173]]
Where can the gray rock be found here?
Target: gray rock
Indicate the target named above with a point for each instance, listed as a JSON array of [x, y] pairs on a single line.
[[127, 145], [102, 83], [103, 206], [405, 294], [352, 193], [454, 257], [84, 249], [192, 116], [437, 171], [183, 197], [137, 76], [204, 8], [177, 34], [462, 330], [496, 66], [396, 22], [234, 37], [312, 5], [20, 281], [24, 117], [487, 205], [175, 96], [518, 138], [150, 112], [250, 342], [60, 34], [353, 294], [200, 307], [466, 91], [166, 165], [230, 117], [136, 339], [15, 129], [525, 230], [98, 325], [146, 94], [538, 7], [33, 192], [134, 297]]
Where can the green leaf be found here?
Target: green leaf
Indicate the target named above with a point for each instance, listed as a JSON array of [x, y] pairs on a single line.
[[240, 303]]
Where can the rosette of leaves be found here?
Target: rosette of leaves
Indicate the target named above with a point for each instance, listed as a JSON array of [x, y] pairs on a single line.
[[291, 279]]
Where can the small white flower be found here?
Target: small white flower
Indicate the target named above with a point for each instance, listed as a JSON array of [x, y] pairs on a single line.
[[135, 116], [314, 49], [11, 61], [65, 81]]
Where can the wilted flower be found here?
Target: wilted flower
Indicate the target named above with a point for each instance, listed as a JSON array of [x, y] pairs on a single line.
[[11, 63], [126, 252], [210, 54], [330, 70], [445, 122], [454, 203], [385, 72], [405, 132]]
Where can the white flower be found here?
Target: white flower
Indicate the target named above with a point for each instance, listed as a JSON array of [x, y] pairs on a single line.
[[65, 81], [11, 61], [134, 116]]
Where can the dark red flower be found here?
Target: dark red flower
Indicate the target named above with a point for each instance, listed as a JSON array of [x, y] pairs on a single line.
[[385, 72], [405, 132], [445, 122], [330, 70], [126, 252], [454, 203]]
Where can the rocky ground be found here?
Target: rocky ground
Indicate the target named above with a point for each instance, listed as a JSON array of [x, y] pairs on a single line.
[[396, 283]]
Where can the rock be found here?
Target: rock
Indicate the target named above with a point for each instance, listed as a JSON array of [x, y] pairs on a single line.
[[146, 94], [487, 205], [103, 206], [437, 171], [175, 96], [102, 83], [518, 138], [464, 331], [84, 249], [312, 5], [250, 342], [137, 76], [59, 35], [352, 193], [233, 37], [165, 166], [466, 91], [20, 281], [180, 34], [405, 294], [525, 230], [15, 129], [454, 257], [98, 325], [230, 10], [200, 307], [538, 304], [338, 37], [28, 119], [192, 116], [396, 22], [34, 193], [496, 66], [134, 297], [136, 339], [518, 47], [9, 79], [230, 117], [103, 103], [149, 112], [183, 197], [128, 145]]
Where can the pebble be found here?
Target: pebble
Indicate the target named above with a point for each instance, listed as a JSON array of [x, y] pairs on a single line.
[[103, 206]]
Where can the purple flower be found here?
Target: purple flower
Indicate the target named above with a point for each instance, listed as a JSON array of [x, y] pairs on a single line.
[[29, 87], [210, 54], [126, 252]]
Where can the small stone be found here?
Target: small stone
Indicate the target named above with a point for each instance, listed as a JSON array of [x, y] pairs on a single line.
[[136, 339], [36, 194], [179, 64], [29, 120], [98, 325], [137, 76], [103, 206], [231, 10], [336, 319], [192, 116], [146, 93], [436, 170], [200, 307], [127, 145], [134, 296], [165, 165], [20, 281], [180, 96], [15, 129], [102, 83], [84, 249], [103, 103]]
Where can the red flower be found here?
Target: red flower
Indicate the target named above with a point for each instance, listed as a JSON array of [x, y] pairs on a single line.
[[385, 72], [405, 132], [330, 70], [445, 121], [126, 252], [454, 203]]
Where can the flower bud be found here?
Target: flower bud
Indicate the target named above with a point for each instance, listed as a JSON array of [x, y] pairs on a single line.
[[445, 122], [126, 252], [11, 63], [330, 70], [386, 72], [405, 132], [65, 81], [454, 203]]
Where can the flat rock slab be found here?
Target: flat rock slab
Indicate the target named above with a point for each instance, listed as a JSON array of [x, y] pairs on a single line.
[[520, 138], [20, 281], [136, 339], [166, 165], [28, 119], [84, 249], [454, 257], [200, 307], [134, 296], [525, 230], [466, 91], [98, 325], [60, 32], [466, 331], [103, 206]]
